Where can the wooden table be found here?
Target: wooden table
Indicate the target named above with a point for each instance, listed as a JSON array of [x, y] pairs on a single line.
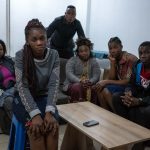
[[113, 131]]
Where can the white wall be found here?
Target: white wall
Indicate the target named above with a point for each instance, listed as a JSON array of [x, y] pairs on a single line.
[[3, 20], [127, 19], [45, 10]]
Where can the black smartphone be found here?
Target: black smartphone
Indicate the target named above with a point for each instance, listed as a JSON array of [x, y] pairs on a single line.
[[90, 123]]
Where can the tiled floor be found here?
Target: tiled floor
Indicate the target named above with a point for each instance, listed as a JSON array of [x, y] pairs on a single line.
[[4, 140]]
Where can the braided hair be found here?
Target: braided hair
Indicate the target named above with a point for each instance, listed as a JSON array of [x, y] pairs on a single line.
[[29, 71], [84, 41], [115, 40]]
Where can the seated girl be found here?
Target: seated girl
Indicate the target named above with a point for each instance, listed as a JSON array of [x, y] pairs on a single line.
[[37, 80], [121, 63], [7, 81]]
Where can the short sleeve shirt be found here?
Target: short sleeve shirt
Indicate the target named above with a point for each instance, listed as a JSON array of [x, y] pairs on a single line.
[[124, 67]]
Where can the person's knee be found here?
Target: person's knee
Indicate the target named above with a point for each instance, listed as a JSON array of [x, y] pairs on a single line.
[[8, 103], [146, 112], [77, 88], [116, 100], [56, 133], [8, 106], [34, 136]]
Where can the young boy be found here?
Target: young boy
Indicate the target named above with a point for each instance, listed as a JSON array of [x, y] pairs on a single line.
[[135, 103]]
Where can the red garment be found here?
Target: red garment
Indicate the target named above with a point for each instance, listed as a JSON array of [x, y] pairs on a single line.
[[145, 77], [78, 93], [124, 66]]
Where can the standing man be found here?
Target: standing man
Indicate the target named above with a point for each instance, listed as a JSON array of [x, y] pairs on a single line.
[[62, 30]]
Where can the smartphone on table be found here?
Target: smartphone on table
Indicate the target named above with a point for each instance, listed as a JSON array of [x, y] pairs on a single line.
[[90, 123]]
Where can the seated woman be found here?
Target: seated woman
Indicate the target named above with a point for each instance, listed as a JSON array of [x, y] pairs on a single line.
[[121, 64], [82, 72], [37, 80], [7, 81]]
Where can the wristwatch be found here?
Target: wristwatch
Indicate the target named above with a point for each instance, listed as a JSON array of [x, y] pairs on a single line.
[[140, 100]]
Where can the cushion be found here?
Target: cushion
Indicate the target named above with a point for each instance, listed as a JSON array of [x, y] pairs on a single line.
[[103, 63]]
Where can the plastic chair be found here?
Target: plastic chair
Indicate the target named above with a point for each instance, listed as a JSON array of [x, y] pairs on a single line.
[[17, 135]]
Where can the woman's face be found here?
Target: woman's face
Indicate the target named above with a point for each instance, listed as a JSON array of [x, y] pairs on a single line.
[[1, 51], [37, 40], [115, 49], [84, 52]]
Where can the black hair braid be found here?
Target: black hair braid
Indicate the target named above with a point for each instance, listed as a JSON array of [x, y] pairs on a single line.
[[28, 60], [29, 68], [115, 40]]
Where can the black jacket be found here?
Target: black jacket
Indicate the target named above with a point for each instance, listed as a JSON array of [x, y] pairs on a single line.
[[138, 90]]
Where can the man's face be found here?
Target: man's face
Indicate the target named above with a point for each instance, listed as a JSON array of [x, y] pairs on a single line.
[[115, 50], [70, 15], [84, 52], [37, 41], [144, 54]]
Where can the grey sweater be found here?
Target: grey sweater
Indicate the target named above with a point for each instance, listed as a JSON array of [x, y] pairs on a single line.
[[74, 69], [47, 71]]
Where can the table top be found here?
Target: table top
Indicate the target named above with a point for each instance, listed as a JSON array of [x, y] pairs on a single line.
[[113, 131]]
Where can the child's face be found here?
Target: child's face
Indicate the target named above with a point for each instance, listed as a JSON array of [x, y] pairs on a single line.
[[144, 54], [1, 51], [115, 49]]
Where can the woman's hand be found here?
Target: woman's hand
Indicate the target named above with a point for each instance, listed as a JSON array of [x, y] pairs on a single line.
[[86, 84], [36, 126], [100, 85], [50, 123], [112, 59]]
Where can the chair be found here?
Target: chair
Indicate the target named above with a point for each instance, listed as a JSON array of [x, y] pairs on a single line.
[[17, 135]]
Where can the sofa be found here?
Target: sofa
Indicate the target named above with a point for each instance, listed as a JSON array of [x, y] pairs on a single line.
[[104, 65]]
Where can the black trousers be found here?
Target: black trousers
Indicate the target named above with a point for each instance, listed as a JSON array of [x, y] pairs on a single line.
[[139, 114], [5, 121], [66, 52]]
